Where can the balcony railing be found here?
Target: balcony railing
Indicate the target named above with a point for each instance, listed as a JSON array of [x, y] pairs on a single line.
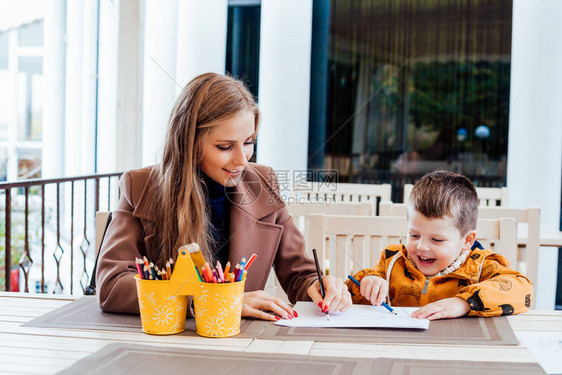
[[46, 221]]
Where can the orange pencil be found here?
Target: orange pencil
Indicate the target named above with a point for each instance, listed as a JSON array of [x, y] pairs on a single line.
[[168, 269], [204, 274], [227, 268], [208, 272]]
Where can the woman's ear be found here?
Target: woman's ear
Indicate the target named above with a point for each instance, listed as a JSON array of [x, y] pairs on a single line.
[[469, 239]]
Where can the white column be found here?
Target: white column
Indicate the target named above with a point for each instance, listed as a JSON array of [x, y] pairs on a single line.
[[284, 83], [201, 38], [535, 123], [73, 90], [120, 85], [88, 79], [13, 87], [159, 75], [52, 158], [107, 87]]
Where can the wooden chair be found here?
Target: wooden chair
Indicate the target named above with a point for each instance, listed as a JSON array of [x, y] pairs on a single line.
[[317, 192], [301, 211], [488, 196], [351, 243], [102, 222]]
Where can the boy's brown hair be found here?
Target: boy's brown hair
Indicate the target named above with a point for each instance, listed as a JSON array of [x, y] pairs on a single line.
[[442, 193]]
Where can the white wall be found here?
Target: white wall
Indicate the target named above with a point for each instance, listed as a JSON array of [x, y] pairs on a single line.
[[182, 40], [53, 151], [201, 39], [534, 161], [159, 75], [284, 83]]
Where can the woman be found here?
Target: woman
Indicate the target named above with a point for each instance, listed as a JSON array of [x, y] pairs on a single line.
[[205, 191]]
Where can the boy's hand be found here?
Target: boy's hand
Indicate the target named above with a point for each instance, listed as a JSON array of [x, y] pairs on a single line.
[[374, 288], [445, 308]]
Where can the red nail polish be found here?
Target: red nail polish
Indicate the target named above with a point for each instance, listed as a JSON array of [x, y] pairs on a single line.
[[277, 318], [289, 316], [295, 314], [325, 309], [320, 305]]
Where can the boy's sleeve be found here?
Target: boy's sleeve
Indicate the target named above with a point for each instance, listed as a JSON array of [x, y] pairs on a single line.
[[378, 270], [501, 290]]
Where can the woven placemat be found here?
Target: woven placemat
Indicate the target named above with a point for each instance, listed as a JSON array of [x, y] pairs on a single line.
[[125, 358], [84, 313], [460, 331]]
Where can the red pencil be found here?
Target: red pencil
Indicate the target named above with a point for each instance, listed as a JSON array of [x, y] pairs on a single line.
[[250, 261]]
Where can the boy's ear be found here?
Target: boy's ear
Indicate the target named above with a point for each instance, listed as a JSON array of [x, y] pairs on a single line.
[[469, 239]]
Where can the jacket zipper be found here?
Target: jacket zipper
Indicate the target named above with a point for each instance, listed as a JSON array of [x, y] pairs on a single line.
[[424, 290]]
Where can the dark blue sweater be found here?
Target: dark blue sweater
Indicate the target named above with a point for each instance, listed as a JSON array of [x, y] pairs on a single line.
[[218, 209]]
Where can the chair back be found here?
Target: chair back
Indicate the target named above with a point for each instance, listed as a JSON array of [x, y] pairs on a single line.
[[301, 211], [487, 196], [347, 244], [318, 192], [102, 222]]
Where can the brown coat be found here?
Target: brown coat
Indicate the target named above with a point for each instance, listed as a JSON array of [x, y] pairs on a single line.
[[259, 223]]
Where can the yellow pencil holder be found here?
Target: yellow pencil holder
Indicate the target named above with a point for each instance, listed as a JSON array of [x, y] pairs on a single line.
[[163, 303], [218, 309], [162, 313]]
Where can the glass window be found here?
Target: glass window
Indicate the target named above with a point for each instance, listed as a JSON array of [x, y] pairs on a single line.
[[243, 45], [411, 87]]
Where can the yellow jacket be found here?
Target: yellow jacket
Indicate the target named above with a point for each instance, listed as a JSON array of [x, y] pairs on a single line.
[[484, 280]]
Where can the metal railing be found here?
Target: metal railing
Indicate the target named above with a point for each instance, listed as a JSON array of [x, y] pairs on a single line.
[[58, 220]]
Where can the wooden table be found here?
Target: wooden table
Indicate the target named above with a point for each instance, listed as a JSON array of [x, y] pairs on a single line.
[[34, 350]]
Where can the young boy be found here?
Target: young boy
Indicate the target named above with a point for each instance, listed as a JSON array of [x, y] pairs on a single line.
[[442, 268]]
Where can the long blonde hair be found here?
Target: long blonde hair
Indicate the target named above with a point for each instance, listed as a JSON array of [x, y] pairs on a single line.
[[181, 215]]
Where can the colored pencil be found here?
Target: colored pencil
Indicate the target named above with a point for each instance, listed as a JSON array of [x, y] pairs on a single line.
[[219, 271], [242, 265], [319, 272], [168, 269], [138, 267], [250, 261]]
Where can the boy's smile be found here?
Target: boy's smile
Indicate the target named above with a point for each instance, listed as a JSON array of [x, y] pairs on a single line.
[[434, 243]]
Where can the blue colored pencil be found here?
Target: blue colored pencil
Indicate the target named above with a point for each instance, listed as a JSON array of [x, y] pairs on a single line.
[[384, 303]]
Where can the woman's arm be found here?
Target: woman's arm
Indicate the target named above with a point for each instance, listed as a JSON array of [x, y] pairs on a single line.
[[124, 240]]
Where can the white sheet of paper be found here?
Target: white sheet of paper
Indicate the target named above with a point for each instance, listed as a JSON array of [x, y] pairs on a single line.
[[546, 347], [358, 316]]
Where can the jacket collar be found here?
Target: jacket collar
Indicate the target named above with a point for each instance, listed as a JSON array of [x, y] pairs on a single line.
[[255, 194], [467, 270]]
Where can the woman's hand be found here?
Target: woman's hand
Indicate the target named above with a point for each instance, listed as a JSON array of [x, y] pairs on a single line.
[[256, 304], [337, 296], [446, 308], [374, 288]]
